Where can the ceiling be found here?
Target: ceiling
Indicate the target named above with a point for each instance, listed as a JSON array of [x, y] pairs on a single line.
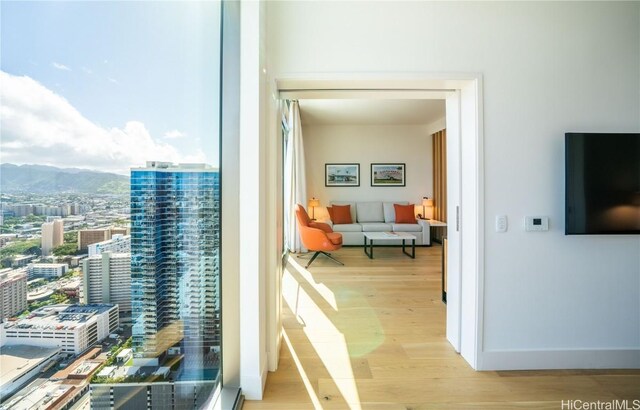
[[372, 112]]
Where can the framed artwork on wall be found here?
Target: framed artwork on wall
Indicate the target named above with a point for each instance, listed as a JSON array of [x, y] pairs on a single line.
[[388, 175], [342, 174]]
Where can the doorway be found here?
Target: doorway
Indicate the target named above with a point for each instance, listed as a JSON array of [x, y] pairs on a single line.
[[464, 189]]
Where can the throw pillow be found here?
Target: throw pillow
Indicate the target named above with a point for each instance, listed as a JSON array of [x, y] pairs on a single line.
[[405, 214], [340, 214]]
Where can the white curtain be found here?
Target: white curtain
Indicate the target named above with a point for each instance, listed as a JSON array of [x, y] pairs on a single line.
[[295, 184]]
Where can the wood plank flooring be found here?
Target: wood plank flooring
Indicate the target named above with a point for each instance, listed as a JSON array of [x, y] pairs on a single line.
[[371, 335]]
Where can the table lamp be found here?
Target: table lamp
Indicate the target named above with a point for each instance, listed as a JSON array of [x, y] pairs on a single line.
[[426, 202], [313, 203]]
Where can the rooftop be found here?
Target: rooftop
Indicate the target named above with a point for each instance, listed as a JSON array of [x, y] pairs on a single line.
[[85, 368], [18, 359], [39, 397], [107, 371], [171, 167], [23, 257], [74, 369], [59, 317], [12, 275], [47, 265]]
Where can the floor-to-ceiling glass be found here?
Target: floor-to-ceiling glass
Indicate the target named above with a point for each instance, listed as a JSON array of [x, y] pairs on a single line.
[[110, 153]]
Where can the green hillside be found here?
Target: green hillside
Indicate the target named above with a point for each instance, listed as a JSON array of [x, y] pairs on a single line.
[[46, 179]]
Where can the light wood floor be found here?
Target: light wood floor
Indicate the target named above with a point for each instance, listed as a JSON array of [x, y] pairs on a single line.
[[370, 335]]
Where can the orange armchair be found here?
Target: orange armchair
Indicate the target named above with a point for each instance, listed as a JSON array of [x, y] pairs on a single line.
[[317, 236]]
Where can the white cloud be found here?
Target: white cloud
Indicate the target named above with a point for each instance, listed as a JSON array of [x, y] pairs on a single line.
[[174, 134], [60, 66], [39, 126], [113, 80]]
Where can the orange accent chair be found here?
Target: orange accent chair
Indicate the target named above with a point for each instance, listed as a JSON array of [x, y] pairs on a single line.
[[317, 236]]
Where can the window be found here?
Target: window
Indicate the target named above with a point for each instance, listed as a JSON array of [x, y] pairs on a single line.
[[110, 149]]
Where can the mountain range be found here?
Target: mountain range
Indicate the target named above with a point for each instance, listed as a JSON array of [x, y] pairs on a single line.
[[44, 179]]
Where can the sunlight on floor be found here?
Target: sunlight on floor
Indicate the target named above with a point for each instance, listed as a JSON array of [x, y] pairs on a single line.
[[322, 290], [328, 341], [303, 375]]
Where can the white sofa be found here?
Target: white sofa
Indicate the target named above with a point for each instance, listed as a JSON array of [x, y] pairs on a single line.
[[378, 216]]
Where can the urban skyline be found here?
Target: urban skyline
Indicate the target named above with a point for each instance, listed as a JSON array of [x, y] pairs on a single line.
[[106, 86]]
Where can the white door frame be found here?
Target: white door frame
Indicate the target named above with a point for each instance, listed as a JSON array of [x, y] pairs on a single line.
[[463, 93]]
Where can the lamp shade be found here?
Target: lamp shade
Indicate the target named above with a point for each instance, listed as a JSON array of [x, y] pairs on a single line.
[[427, 202], [314, 202]]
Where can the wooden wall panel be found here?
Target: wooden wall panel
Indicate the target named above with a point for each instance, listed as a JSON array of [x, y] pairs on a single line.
[[440, 175]]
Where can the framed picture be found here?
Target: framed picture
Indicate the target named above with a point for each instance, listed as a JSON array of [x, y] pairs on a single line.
[[341, 174], [388, 175]]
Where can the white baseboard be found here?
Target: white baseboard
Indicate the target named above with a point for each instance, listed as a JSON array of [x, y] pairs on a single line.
[[559, 359], [253, 386], [273, 356], [264, 370]]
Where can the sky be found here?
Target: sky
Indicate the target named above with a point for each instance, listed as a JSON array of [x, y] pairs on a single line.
[[109, 85]]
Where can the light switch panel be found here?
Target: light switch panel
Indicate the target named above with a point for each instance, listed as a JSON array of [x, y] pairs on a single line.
[[501, 223]]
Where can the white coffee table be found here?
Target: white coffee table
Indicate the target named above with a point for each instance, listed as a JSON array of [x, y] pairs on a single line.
[[388, 236]]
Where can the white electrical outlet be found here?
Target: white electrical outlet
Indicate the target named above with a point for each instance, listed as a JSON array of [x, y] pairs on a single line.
[[536, 223], [501, 223]]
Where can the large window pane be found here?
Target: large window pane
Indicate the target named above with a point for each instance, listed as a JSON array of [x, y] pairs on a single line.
[[110, 206]]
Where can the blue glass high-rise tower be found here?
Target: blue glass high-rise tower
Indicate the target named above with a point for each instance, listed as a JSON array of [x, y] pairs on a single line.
[[175, 242]]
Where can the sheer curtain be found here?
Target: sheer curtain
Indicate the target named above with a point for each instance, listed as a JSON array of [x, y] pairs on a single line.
[[295, 184]]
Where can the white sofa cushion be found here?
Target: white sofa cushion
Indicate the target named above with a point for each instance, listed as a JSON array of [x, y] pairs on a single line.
[[347, 228], [406, 228], [352, 209], [370, 212], [376, 227], [390, 211]]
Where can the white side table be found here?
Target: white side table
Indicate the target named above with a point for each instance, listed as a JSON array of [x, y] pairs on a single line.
[[435, 224]]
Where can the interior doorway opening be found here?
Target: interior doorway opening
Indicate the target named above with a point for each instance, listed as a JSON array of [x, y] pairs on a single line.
[[462, 121]]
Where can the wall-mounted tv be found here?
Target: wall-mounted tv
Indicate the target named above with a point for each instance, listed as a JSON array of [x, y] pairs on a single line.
[[602, 184]]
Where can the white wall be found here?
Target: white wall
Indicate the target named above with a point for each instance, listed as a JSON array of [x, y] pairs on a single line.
[[365, 144], [252, 224], [548, 68]]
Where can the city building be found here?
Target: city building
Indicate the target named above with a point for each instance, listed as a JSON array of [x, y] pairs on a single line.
[[21, 209], [48, 210], [71, 288], [13, 293], [72, 328], [87, 237], [46, 270], [106, 278], [175, 262], [20, 363], [52, 236], [152, 396], [62, 390], [119, 243], [5, 238], [77, 208], [75, 261], [20, 261]]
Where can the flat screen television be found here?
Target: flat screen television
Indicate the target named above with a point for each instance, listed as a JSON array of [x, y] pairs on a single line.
[[602, 184]]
